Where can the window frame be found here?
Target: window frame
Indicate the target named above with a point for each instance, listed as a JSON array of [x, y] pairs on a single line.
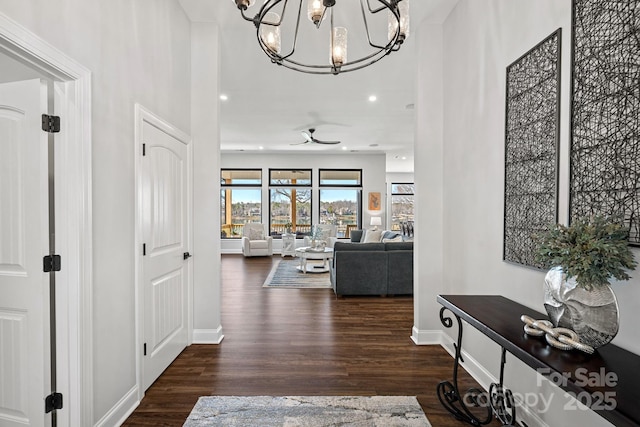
[[230, 186], [358, 187], [271, 186], [223, 184], [320, 184], [403, 183], [413, 195]]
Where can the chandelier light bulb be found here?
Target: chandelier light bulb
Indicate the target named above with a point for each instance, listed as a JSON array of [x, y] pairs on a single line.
[[270, 32], [315, 11], [403, 9], [339, 46]]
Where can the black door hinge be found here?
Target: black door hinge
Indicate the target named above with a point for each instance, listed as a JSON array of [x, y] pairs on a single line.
[[145, 349], [52, 402], [50, 124], [144, 249], [51, 263], [144, 149]]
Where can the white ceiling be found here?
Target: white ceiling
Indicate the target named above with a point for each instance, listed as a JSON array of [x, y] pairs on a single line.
[[269, 105]]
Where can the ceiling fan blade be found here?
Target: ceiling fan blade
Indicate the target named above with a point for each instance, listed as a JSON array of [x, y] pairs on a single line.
[[326, 142], [307, 135], [300, 143]]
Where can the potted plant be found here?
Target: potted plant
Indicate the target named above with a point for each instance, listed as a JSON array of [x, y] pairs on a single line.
[[584, 257]]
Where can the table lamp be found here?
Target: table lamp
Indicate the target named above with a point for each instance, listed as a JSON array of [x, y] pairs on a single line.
[[376, 221]]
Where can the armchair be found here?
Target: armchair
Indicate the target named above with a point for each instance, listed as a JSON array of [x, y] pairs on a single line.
[[255, 242], [326, 232]]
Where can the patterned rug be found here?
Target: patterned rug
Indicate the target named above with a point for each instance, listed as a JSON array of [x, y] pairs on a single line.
[[307, 411], [284, 274]]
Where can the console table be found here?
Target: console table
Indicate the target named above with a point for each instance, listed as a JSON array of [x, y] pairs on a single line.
[[498, 318]]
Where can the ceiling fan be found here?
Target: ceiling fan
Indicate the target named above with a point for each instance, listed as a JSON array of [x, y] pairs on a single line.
[[309, 138]]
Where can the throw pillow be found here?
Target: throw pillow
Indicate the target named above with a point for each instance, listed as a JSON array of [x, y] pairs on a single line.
[[395, 239], [372, 236], [388, 234], [255, 234], [323, 234]]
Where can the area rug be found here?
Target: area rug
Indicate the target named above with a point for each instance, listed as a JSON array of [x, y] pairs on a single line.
[[307, 411], [284, 274]]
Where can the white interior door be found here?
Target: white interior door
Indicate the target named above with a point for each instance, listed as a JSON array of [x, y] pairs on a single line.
[[24, 311], [165, 213]]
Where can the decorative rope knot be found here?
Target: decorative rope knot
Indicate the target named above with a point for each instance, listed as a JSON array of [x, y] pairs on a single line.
[[562, 338]]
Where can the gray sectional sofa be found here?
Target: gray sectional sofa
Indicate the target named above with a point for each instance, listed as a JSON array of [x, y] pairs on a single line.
[[372, 268]]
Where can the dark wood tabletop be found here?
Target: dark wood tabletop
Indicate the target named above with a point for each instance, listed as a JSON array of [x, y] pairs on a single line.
[[608, 381]]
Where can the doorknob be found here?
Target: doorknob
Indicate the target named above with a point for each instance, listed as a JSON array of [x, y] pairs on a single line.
[[186, 255]]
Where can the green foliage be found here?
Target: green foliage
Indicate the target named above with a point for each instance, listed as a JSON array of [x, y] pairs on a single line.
[[592, 249]]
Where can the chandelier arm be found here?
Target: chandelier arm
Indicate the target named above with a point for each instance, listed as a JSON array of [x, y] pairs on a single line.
[[295, 34], [326, 69], [324, 11], [385, 5], [393, 42], [347, 66]]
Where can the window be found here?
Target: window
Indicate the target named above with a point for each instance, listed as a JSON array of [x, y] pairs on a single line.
[[341, 199], [284, 177], [402, 195], [290, 201], [240, 200], [340, 178]]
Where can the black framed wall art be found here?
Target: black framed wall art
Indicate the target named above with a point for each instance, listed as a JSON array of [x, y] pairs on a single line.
[[605, 112], [532, 133]]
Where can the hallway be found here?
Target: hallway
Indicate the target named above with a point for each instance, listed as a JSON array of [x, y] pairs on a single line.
[[300, 342]]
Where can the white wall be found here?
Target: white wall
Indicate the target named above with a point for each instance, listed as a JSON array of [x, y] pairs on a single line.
[[137, 51], [373, 178], [480, 38], [206, 163]]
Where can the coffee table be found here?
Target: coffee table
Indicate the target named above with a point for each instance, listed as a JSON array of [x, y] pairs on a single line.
[[306, 253]]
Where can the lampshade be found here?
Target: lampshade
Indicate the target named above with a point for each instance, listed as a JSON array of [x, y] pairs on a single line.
[[339, 46], [270, 32], [403, 9], [315, 11], [376, 220]]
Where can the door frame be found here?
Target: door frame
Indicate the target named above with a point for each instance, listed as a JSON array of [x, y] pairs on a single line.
[[74, 235], [143, 115]]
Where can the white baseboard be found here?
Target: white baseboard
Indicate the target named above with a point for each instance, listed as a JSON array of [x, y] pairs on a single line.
[[208, 336], [231, 252], [427, 337], [120, 412]]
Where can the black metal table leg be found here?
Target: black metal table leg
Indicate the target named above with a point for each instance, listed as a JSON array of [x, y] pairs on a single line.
[[502, 402], [449, 393]]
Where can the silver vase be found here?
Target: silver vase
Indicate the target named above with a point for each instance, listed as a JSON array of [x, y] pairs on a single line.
[[592, 314]]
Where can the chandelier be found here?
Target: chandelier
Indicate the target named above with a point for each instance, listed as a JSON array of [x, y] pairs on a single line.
[[277, 26]]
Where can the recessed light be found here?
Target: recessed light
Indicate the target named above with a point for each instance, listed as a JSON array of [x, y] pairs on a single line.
[[223, 97], [404, 157], [344, 148], [373, 98], [261, 148]]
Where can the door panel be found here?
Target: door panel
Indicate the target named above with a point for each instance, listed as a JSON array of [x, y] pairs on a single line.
[[165, 231], [24, 312]]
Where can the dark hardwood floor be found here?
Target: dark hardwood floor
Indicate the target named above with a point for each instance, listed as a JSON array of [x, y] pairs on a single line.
[[301, 342]]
